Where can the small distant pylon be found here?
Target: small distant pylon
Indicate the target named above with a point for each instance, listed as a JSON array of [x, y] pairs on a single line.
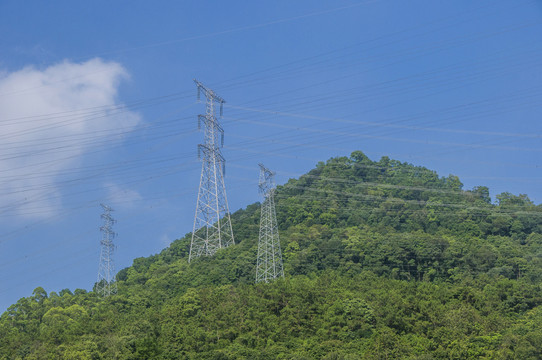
[[212, 224], [106, 273], [269, 265]]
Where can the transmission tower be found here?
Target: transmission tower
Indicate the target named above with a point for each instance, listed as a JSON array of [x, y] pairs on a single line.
[[212, 224], [106, 279], [269, 265]]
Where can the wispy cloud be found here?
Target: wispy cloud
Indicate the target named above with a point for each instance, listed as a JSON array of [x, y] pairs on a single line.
[[121, 197], [165, 240], [49, 119]]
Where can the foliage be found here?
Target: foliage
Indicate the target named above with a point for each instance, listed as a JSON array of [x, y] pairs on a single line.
[[384, 260]]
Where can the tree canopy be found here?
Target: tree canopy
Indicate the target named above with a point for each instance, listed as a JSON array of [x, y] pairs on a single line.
[[383, 260]]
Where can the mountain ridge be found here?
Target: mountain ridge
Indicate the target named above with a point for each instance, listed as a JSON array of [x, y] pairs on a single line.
[[383, 259]]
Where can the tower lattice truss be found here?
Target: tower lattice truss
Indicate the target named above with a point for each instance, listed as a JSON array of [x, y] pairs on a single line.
[[212, 224], [106, 272], [269, 265]]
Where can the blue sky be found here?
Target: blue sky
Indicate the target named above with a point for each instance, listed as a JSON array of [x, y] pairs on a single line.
[[97, 105]]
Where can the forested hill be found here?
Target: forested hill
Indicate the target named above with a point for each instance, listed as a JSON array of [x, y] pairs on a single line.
[[383, 260]]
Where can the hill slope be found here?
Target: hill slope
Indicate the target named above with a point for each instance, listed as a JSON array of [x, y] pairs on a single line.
[[383, 260]]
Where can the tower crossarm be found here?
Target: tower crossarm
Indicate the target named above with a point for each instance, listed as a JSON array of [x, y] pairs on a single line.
[[266, 182], [209, 94]]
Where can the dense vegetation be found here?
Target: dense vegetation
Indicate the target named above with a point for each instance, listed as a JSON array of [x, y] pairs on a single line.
[[383, 260]]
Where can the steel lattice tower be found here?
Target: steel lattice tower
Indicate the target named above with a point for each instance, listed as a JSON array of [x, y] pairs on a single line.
[[106, 273], [269, 265], [212, 224]]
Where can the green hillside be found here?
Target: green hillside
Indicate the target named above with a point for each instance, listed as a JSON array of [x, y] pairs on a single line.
[[383, 260]]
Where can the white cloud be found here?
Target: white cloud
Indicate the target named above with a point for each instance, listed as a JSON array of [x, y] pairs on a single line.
[[49, 119]]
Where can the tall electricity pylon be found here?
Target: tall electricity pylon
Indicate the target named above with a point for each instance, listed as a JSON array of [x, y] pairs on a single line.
[[212, 224], [106, 273], [269, 265]]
